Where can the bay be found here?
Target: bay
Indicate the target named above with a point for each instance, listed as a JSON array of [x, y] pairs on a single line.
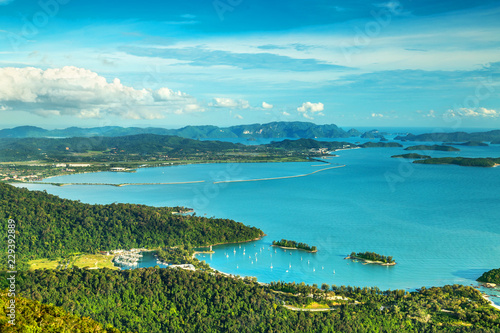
[[439, 222]]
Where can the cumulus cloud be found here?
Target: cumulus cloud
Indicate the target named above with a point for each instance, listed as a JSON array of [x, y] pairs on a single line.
[[377, 115], [431, 114], [285, 113], [308, 109], [475, 112], [82, 93], [313, 107], [267, 105], [223, 102]]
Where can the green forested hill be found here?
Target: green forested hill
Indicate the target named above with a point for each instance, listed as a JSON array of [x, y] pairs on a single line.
[[48, 226], [492, 276], [462, 161], [33, 316], [139, 145], [433, 147], [172, 300], [453, 137]]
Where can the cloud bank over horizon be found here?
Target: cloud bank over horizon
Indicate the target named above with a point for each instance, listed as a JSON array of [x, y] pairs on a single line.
[[79, 92]]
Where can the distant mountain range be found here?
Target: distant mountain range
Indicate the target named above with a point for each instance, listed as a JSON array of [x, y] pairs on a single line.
[[490, 136], [269, 130]]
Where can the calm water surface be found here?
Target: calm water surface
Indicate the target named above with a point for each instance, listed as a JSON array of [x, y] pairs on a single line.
[[439, 222]]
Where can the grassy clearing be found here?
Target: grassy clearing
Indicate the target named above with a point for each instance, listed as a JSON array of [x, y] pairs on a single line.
[[81, 261], [316, 305], [95, 260]]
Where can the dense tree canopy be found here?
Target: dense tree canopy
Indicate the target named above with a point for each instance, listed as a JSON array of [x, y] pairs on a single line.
[[295, 245], [462, 161], [174, 300], [492, 276], [33, 316], [50, 227]]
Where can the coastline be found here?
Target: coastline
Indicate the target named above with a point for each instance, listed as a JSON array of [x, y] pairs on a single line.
[[247, 241], [294, 248], [42, 180], [367, 261], [487, 297]]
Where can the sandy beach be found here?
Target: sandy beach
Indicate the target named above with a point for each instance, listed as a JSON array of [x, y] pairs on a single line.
[[486, 297]]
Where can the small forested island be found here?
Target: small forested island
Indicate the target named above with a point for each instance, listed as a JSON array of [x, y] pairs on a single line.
[[372, 258], [290, 244], [413, 156], [486, 162], [470, 144], [433, 147], [492, 276], [493, 136], [380, 145]]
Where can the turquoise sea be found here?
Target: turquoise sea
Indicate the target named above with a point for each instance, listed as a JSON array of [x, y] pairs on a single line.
[[439, 222]]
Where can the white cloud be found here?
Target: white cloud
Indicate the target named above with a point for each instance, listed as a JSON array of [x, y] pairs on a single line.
[[267, 106], [312, 107], [82, 93], [431, 114], [285, 113], [377, 115], [309, 109], [237, 116], [223, 102], [475, 112]]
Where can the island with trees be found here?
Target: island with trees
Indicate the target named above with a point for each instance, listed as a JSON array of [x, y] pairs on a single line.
[[491, 277], [380, 145], [372, 258], [413, 156], [433, 147], [492, 136], [485, 162], [290, 244]]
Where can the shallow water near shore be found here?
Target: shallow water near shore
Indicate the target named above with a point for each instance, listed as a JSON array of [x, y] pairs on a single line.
[[439, 222]]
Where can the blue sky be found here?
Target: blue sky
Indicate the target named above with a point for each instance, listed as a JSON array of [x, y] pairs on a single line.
[[225, 62]]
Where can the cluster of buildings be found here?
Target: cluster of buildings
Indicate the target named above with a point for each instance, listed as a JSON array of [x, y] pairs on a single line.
[[128, 258]]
